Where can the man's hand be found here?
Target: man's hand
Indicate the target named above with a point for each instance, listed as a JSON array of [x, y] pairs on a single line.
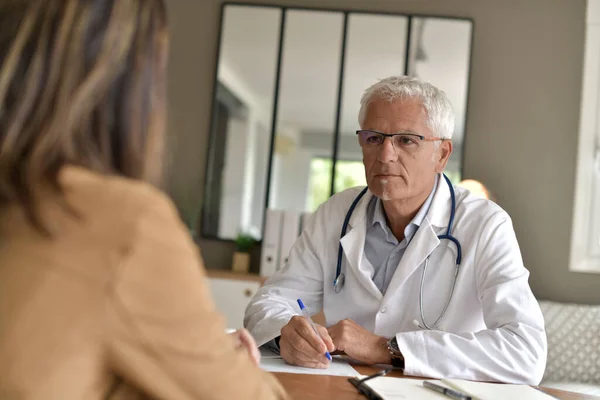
[[359, 343], [243, 340], [299, 345]]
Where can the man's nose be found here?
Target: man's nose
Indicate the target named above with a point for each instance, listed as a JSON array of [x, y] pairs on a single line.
[[387, 152]]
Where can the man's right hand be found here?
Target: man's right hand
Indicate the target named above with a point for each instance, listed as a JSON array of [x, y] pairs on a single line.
[[300, 345]]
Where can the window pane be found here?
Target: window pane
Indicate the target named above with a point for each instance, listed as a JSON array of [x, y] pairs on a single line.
[[307, 104], [595, 221], [594, 237], [349, 174], [320, 183]]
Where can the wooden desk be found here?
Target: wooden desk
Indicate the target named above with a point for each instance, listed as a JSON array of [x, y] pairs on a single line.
[[321, 387]]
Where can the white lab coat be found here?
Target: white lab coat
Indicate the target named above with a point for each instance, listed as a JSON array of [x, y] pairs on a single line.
[[493, 329]]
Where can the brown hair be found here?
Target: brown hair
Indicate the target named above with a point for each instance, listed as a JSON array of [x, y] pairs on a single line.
[[82, 82]]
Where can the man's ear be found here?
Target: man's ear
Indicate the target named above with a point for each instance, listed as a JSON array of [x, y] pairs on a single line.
[[443, 155]]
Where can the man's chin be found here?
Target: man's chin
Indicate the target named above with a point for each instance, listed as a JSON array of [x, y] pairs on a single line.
[[389, 193]]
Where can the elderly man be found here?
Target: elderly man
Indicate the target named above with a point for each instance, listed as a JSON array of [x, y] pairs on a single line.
[[423, 276]]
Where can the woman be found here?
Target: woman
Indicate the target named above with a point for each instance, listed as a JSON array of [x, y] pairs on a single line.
[[102, 292]]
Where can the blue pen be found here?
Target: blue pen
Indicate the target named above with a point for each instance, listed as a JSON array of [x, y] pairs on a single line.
[[310, 321]]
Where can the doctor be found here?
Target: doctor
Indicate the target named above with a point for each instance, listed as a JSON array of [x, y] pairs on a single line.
[[422, 276]]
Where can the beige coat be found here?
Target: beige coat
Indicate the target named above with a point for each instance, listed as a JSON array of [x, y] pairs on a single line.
[[115, 306]]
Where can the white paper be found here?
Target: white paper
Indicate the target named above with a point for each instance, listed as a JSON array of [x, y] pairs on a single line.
[[402, 388], [496, 391], [337, 367]]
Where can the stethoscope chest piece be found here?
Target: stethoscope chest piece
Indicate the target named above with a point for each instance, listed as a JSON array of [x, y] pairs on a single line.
[[338, 283]]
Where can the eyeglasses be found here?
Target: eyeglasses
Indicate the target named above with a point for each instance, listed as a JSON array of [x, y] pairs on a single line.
[[370, 140]]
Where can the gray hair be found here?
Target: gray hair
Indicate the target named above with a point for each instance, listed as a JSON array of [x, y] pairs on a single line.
[[440, 117]]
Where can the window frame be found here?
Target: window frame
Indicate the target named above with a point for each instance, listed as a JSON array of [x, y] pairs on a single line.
[[585, 238]]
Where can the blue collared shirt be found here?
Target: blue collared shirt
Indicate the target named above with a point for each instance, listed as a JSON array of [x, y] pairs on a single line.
[[382, 249]]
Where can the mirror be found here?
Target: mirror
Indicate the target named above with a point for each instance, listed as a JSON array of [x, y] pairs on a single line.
[[307, 110], [445, 63], [371, 54], [287, 94], [239, 152]]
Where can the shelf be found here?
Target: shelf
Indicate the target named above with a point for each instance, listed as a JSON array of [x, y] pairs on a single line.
[[224, 274]]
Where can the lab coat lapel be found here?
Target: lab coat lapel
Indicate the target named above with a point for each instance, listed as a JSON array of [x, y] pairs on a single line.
[[421, 246], [353, 244], [425, 239], [441, 206]]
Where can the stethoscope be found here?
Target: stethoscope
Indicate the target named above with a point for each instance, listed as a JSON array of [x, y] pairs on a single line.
[[340, 278]]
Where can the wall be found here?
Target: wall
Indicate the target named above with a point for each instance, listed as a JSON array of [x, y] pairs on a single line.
[[522, 118]]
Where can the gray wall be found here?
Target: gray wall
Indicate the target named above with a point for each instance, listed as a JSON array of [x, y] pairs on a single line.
[[522, 118]]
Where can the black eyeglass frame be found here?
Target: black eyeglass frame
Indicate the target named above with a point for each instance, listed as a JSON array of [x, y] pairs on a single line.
[[391, 135]]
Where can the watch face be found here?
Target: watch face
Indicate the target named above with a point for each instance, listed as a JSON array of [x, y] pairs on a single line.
[[394, 344]]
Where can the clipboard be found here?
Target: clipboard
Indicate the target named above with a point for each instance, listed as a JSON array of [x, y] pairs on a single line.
[[365, 390]]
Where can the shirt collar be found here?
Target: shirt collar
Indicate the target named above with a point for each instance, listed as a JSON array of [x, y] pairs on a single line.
[[418, 219], [378, 216]]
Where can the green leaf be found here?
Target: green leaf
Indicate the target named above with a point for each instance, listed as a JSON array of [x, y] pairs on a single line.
[[245, 242]]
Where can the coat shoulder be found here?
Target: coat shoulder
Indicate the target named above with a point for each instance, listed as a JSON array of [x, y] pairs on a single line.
[[484, 208], [338, 204]]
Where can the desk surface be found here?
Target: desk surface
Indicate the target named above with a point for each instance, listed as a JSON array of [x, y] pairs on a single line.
[[317, 387]]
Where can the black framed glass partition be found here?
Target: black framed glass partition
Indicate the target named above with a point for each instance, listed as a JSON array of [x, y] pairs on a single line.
[[287, 93], [308, 92]]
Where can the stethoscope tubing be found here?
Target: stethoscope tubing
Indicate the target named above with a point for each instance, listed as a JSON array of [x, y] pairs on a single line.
[[338, 282]]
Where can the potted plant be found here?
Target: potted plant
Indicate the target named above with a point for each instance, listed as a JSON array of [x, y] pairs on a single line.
[[244, 243]]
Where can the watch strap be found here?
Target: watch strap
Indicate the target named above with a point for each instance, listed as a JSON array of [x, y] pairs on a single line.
[[398, 362], [395, 353]]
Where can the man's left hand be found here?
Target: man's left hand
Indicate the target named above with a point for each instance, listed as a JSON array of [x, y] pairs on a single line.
[[359, 343]]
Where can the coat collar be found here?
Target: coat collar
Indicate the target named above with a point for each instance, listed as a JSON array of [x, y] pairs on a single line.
[[438, 214], [424, 241], [359, 216], [441, 207]]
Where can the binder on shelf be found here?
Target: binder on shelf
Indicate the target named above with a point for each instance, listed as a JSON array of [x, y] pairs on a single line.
[[289, 233], [271, 242]]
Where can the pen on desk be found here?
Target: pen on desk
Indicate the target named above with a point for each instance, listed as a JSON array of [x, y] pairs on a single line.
[[453, 394], [310, 321]]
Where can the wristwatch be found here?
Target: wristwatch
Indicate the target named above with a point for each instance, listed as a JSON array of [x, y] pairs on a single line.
[[395, 353]]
